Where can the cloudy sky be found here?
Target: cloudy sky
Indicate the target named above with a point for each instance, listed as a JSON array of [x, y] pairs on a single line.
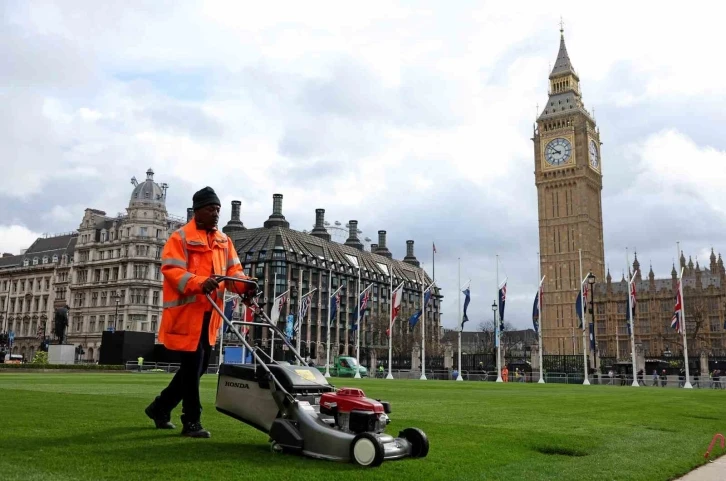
[[413, 117]]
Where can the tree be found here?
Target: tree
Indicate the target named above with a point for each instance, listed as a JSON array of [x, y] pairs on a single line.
[[489, 329]]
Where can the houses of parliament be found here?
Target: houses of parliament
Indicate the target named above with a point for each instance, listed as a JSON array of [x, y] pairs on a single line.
[[568, 171]]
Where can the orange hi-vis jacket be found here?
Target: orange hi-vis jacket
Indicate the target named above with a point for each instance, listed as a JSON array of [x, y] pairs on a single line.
[[189, 258]]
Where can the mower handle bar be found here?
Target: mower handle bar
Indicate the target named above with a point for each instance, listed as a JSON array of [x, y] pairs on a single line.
[[249, 347], [269, 323]]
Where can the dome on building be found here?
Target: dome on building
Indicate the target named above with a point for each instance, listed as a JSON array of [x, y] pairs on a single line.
[[148, 192]]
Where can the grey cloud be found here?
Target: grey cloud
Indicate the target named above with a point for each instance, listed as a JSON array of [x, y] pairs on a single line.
[[185, 119]]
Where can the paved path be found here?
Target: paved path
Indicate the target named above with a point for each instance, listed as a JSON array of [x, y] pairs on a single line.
[[713, 471]]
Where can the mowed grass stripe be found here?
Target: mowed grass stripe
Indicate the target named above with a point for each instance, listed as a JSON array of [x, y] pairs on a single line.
[[92, 426]]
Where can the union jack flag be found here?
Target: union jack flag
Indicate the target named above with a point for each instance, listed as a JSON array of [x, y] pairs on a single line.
[[364, 300], [678, 311], [502, 299]]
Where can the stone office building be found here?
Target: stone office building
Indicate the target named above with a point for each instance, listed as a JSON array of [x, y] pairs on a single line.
[[282, 259], [117, 267], [31, 284]]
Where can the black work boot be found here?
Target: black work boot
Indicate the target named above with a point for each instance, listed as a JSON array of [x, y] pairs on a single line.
[[195, 430], [162, 421]]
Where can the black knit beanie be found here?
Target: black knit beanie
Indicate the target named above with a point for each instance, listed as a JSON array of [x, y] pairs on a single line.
[[205, 197]]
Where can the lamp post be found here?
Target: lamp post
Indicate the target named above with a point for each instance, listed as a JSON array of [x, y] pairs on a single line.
[[496, 340], [591, 280], [116, 296]]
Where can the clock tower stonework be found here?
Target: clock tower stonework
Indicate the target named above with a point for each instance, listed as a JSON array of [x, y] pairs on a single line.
[[568, 176]]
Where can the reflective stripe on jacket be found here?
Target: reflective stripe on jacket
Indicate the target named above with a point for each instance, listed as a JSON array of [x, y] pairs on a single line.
[[190, 257]]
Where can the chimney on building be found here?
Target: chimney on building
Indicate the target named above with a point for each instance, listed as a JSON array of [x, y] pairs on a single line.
[[276, 219], [410, 257], [319, 230], [7, 254], [382, 249], [190, 214], [352, 239], [235, 223], [374, 247]]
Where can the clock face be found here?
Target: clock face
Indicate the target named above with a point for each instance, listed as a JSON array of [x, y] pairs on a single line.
[[594, 159], [558, 151]]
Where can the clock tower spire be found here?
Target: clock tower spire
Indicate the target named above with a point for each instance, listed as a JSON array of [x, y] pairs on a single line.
[[568, 178]]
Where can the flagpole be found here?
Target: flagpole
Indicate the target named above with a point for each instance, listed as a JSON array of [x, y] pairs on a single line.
[[541, 322], [461, 325], [357, 330], [299, 321], [498, 333], [390, 326], [327, 353], [586, 382], [632, 324], [423, 331], [687, 385], [433, 261], [274, 296]]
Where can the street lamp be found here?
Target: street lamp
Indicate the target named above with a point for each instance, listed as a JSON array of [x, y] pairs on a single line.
[[117, 297], [591, 280]]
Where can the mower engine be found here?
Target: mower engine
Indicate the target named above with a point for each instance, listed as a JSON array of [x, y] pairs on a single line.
[[354, 413]]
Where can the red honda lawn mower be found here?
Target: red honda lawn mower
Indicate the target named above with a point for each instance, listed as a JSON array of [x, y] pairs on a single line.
[[304, 414]]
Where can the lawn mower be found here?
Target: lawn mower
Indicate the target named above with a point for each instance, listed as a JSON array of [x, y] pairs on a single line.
[[302, 412]]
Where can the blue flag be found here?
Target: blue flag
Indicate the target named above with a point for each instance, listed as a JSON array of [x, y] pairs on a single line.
[[535, 313], [502, 299], [592, 337], [578, 309], [334, 304], [465, 318], [413, 320]]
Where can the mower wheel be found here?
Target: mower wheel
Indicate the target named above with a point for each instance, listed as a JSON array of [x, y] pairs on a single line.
[[276, 448], [419, 441], [366, 450]]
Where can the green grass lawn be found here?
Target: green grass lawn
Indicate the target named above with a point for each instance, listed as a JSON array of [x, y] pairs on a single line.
[[92, 427]]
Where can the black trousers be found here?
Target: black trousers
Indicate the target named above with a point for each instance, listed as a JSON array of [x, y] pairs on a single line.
[[184, 387]]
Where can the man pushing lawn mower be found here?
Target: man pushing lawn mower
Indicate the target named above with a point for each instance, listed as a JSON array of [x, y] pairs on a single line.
[[296, 406], [191, 258]]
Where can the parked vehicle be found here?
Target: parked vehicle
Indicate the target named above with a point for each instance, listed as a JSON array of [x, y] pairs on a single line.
[[344, 366]]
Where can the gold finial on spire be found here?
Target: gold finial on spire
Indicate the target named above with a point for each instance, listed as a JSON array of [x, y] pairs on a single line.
[[562, 26]]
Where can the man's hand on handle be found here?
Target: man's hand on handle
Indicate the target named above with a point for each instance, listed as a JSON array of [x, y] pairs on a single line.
[[210, 285]]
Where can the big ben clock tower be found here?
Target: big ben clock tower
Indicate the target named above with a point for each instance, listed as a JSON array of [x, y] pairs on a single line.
[[568, 176]]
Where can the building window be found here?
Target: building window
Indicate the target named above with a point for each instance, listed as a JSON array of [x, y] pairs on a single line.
[[155, 300], [26, 262]]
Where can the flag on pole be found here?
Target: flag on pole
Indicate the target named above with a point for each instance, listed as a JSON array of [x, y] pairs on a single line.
[[502, 299], [535, 313], [413, 320], [434, 244], [365, 296], [467, 298], [579, 308], [631, 302], [334, 305], [277, 307], [229, 307], [592, 336], [677, 311], [395, 306], [304, 304]]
